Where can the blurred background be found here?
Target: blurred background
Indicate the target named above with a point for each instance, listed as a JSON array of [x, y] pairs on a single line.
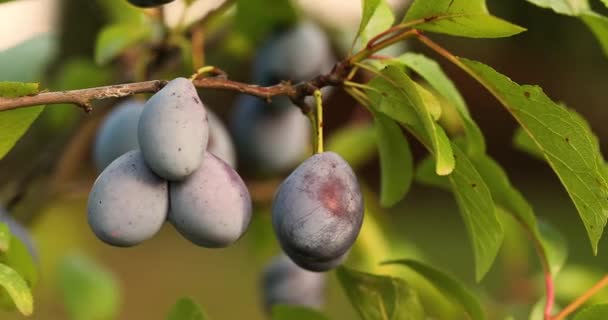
[[45, 179]]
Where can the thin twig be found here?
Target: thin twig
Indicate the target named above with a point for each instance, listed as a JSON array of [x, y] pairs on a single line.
[[582, 299]]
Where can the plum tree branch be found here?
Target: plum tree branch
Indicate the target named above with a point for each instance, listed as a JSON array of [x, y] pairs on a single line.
[[296, 92]]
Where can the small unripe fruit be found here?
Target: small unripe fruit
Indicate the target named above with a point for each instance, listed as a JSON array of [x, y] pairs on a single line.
[[284, 282], [212, 207], [270, 137], [149, 3], [117, 134], [128, 203], [220, 142], [173, 130], [317, 212]]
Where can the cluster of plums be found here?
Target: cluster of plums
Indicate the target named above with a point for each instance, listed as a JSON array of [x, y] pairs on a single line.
[[171, 159], [168, 174]]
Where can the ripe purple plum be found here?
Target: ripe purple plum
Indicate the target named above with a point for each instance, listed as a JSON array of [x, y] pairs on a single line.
[[128, 203], [284, 282], [270, 138], [212, 207], [297, 54], [117, 134], [173, 130], [317, 212], [220, 142]]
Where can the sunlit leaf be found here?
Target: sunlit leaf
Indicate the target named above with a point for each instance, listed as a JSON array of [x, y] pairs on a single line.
[[467, 18], [551, 243], [17, 289], [567, 7], [523, 142], [378, 297], [396, 161], [432, 73], [564, 138], [377, 17], [599, 26], [409, 108], [447, 285], [14, 123]]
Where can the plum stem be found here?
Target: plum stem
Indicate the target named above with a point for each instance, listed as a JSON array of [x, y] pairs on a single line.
[[319, 114]]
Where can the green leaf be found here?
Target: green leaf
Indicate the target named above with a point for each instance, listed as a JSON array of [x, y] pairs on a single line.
[[551, 243], [90, 292], [396, 163], [17, 289], [605, 3], [596, 312], [378, 297], [186, 309], [599, 26], [19, 258], [478, 212], [432, 73], [256, 18], [14, 123], [523, 142], [37, 51], [115, 38], [564, 138], [356, 143], [466, 18], [5, 238], [447, 285], [369, 7], [289, 312], [381, 18], [408, 107], [567, 7]]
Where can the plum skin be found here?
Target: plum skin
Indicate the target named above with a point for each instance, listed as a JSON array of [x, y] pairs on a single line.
[[128, 203], [212, 207], [284, 282], [220, 142], [173, 130], [317, 212], [148, 3], [117, 134], [270, 138]]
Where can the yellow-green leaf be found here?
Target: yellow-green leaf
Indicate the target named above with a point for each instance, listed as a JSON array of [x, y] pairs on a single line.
[[186, 309], [377, 297], [14, 123], [565, 140], [467, 18], [599, 26], [432, 73], [396, 161], [17, 289], [447, 285], [596, 312]]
